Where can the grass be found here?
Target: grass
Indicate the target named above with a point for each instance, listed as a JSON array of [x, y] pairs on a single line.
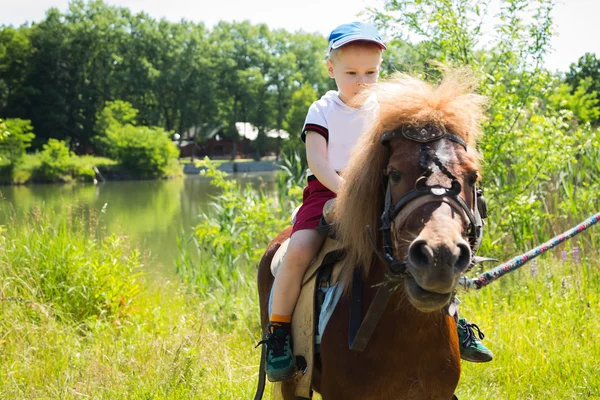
[[174, 344], [67, 332], [543, 329], [194, 337], [81, 168]]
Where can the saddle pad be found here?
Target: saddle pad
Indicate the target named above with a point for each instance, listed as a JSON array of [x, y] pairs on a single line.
[[332, 297]]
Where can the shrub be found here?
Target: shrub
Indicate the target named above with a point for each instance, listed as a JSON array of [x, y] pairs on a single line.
[[56, 162], [145, 151]]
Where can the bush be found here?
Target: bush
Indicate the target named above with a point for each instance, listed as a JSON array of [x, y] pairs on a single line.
[[56, 162], [145, 151]]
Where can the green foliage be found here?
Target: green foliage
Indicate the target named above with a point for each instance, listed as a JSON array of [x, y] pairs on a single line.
[[115, 114], [292, 179], [585, 74], [15, 52], [231, 239], [56, 162], [448, 30], [51, 260], [178, 75], [294, 121], [3, 131], [17, 139], [145, 151], [582, 103]]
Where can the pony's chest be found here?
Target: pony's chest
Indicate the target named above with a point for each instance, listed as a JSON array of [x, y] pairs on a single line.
[[405, 359]]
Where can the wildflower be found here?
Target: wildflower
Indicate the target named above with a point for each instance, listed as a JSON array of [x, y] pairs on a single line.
[[576, 254]]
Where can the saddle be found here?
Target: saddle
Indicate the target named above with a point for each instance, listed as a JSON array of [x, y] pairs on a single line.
[[322, 273]]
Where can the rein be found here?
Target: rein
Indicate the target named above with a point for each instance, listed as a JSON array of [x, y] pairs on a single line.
[[517, 262]]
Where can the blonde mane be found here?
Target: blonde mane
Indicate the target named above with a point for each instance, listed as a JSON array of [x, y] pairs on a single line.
[[404, 100]]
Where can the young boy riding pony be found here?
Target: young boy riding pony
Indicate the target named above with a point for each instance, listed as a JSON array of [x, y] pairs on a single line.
[[333, 125]]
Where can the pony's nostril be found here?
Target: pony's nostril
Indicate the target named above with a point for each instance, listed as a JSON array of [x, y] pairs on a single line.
[[420, 254], [464, 257]]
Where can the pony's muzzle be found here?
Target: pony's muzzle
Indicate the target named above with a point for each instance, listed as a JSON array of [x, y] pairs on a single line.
[[436, 267]]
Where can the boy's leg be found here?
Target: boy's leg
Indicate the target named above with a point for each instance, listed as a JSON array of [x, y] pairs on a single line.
[[303, 247]]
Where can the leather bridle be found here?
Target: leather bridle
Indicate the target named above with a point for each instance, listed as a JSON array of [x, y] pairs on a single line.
[[423, 194]]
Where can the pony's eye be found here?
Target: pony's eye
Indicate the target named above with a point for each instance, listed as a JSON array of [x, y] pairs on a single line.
[[473, 178], [395, 176]]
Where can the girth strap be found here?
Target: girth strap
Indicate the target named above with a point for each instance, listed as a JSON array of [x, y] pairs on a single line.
[[360, 331]]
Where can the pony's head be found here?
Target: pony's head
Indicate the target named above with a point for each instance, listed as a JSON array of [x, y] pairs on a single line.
[[430, 233]]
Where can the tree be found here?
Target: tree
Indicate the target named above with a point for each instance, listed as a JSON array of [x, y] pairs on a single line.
[[526, 143], [51, 89], [115, 113], [582, 103], [15, 54], [585, 74], [296, 115], [16, 141], [94, 31]]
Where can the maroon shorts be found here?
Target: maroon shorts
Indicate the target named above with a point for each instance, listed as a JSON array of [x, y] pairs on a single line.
[[314, 197]]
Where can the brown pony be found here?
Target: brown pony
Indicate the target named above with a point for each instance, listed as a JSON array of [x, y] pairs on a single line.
[[413, 352]]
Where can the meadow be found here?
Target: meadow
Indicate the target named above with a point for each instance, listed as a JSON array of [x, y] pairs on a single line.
[[79, 317]]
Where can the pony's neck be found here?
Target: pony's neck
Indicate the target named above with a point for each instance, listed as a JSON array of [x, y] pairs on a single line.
[[408, 324], [420, 347]]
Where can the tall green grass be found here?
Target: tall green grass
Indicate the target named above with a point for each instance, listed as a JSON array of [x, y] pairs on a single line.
[[542, 321], [79, 319], [55, 261], [543, 325], [230, 240]]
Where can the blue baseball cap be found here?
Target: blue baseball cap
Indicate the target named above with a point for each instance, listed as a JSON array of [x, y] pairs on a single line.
[[352, 32]]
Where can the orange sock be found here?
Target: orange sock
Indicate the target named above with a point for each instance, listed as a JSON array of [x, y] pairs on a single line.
[[277, 319], [284, 321]]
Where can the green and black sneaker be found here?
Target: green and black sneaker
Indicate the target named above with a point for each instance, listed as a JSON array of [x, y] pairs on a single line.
[[471, 348], [281, 363]]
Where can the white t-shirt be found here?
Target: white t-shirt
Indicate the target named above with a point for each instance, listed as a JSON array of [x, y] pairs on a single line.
[[339, 124]]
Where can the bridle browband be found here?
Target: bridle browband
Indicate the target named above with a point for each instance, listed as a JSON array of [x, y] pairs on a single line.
[[427, 193]]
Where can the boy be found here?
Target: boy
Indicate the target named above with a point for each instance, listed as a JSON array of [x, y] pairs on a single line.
[[331, 129]]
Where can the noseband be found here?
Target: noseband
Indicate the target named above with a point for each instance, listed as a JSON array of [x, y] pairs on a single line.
[[423, 194]]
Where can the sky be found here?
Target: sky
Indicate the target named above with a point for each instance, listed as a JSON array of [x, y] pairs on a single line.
[[578, 29]]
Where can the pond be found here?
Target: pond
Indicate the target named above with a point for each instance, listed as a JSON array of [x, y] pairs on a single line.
[[151, 213]]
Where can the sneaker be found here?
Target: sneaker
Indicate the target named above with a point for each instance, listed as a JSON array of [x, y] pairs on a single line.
[[281, 363], [471, 348]]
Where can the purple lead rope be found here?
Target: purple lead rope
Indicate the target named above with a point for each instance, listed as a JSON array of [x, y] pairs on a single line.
[[489, 276]]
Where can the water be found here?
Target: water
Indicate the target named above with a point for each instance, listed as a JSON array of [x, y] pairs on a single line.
[[151, 213]]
